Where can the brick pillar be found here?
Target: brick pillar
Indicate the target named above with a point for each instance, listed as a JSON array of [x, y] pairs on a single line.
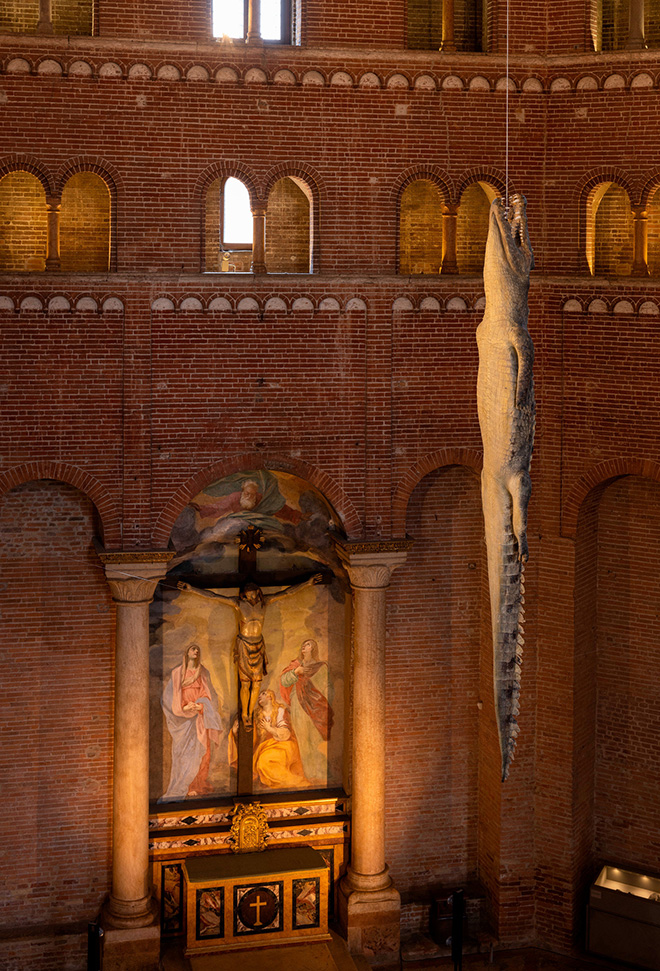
[[636, 39], [448, 42], [449, 221], [259, 240], [641, 224], [45, 24], [254, 22], [369, 904], [132, 935], [53, 205]]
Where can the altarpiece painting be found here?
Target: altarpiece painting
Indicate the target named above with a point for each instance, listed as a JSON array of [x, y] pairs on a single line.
[[247, 638]]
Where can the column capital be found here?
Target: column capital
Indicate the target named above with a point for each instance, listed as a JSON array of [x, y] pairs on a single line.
[[133, 576], [639, 210], [370, 565]]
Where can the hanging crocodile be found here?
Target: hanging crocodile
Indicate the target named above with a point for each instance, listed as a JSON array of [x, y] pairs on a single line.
[[505, 403]]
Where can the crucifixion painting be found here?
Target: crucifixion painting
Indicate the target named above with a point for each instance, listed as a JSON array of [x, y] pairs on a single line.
[[249, 647]]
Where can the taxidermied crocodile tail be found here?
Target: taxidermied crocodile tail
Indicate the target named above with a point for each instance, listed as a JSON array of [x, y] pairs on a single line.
[[507, 589]]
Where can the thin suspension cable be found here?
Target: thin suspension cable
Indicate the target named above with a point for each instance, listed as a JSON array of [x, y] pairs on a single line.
[[506, 122]]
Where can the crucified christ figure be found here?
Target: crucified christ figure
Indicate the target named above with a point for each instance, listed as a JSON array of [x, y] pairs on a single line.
[[249, 647]]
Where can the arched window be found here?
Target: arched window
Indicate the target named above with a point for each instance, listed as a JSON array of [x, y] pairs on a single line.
[[228, 236], [23, 223], [66, 17], [85, 224], [289, 227], [472, 227], [231, 19], [420, 228], [447, 25], [610, 237]]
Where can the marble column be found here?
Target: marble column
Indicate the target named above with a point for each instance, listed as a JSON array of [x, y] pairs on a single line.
[[636, 41], [53, 205], [449, 222], [641, 226], [258, 240], [369, 904], [253, 35], [45, 23], [448, 41], [129, 917]]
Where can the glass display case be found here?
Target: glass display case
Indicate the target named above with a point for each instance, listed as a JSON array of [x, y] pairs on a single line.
[[623, 918]]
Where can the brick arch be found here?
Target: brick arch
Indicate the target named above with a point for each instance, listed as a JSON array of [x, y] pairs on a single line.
[[468, 457], [331, 491], [595, 177], [301, 170], [226, 169], [601, 474], [649, 188], [430, 173], [61, 472], [587, 183], [489, 174], [89, 163], [307, 174], [31, 164], [112, 179]]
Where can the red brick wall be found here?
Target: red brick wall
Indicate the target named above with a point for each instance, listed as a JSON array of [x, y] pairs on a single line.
[[320, 375], [420, 228], [287, 229], [85, 224], [57, 720], [433, 689], [626, 809], [22, 223]]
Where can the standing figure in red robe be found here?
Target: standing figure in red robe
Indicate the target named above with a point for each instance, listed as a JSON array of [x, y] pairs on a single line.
[[297, 679]]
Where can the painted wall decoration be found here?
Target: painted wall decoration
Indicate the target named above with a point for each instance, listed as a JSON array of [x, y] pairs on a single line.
[[251, 622]]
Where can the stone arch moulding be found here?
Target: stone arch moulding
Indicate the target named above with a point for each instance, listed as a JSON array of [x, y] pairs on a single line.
[[326, 485], [316, 184], [28, 163], [443, 457], [598, 475], [106, 506], [109, 174]]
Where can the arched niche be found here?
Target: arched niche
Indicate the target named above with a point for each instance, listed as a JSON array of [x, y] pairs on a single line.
[[289, 231], [435, 671], [23, 223], [610, 234], [425, 25], [617, 674], [85, 224], [653, 215], [57, 666], [67, 17], [273, 529], [472, 227], [420, 228]]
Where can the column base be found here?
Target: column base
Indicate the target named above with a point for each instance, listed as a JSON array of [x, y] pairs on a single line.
[[129, 914], [371, 921], [134, 949]]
